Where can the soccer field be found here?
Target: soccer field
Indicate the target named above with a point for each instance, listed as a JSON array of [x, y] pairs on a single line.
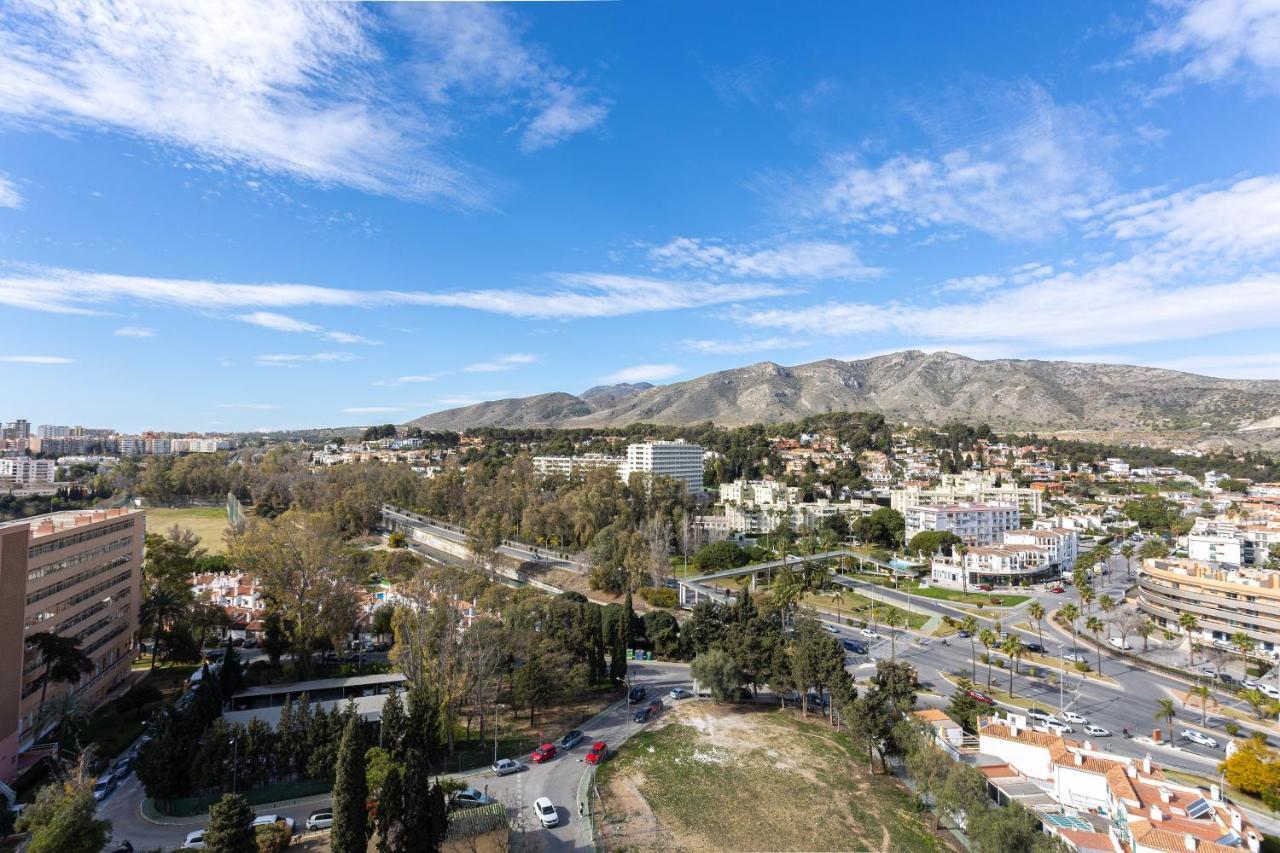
[[207, 522]]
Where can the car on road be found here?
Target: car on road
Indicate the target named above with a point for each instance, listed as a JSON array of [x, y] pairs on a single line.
[[1073, 717], [963, 634], [1074, 657], [572, 739], [268, 819], [635, 694], [869, 633], [1209, 670], [1199, 737], [829, 628], [1270, 690], [104, 786], [543, 753], [599, 752], [1033, 647], [979, 696], [1225, 678], [680, 693], [195, 840], [1057, 590], [854, 646], [1040, 715], [319, 819], [546, 812], [1096, 731], [1060, 728], [503, 766], [1119, 643], [648, 712], [469, 798]]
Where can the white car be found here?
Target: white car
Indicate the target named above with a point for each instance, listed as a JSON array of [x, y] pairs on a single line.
[[1209, 670], [1096, 731], [320, 819], [1270, 690], [1073, 717], [195, 840], [1119, 643], [503, 766], [1060, 728], [680, 693], [1074, 657], [546, 812], [1200, 738], [268, 819], [1040, 716], [830, 629], [869, 633]]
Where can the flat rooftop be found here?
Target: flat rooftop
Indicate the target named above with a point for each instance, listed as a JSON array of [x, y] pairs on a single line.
[[59, 522], [318, 684]]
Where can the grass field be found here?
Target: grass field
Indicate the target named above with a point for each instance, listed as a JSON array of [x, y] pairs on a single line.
[[855, 609], [745, 778], [207, 522], [943, 594]]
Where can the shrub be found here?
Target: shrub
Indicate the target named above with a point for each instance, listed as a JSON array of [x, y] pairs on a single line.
[[273, 838], [659, 596], [1232, 729], [1081, 666]]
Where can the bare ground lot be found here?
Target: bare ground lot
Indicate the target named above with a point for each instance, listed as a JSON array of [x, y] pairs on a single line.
[[741, 778]]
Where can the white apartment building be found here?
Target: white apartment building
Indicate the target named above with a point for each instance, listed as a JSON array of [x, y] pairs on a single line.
[[1024, 557], [130, 445], [678, 460], [977, 525], [24, 469], [193, 445], [1061, 544], [1245, 543], [53, 431], [1216, 547], [754, 507], [969, 487], [575, 466]]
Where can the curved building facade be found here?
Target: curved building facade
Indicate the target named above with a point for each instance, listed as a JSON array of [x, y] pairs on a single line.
[[1224, 600]]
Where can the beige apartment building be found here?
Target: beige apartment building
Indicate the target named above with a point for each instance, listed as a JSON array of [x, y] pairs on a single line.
[[1224, 599], [75, 573]]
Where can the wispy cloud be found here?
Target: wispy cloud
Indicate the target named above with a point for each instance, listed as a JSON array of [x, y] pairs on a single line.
[[1263, 365], [643, 373], [403, 380], [9, 195], [252, 407], [135, 332], [742, 346], [277, 322], [502, 362], [804, 259], [36, 359], [1218, 40], [297, 360]]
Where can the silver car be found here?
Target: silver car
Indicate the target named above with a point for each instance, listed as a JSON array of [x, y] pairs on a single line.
[[503, 766]]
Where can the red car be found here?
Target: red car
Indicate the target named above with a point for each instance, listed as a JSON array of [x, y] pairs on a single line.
[[1057, 590], [598, 752], [979, 696], [985, 587], [546, 752]]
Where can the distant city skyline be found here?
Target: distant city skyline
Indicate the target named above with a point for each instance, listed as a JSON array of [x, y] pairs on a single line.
[[293, 216]]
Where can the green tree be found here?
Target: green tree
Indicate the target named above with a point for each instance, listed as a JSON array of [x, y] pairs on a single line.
[[970, 626], [1070, 613], [963, 708], [1153, 549], [392, 726], [719, 556], [719, 672], [1010, 828], [884, 527], [531, 687], [1202, 692], [230, 828], [1036, 612], [350, 793], [1144, 630], [1245, 645], [1166, 711], [1095, 626], [928, 542], [390, 812], [1189, 623], [1012, 647], [963, 795], [894, 618], [63, 818], [1257, 700], [988, 638], [64, 661]]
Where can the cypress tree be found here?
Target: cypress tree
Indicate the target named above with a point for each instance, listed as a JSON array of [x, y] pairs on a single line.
[[415, 817], [438, 810], [618, 655], [391, 736], [390, 812], [231, 826], [350, 794]]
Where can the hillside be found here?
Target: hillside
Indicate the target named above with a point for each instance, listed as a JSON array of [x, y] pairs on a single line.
[[917, 387]]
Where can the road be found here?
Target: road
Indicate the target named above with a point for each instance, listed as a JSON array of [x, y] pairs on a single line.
[[514, 550], [557, 779]]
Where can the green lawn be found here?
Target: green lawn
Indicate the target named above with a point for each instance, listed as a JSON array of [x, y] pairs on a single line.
[[209, 523], [730, 778], [942, 594], [855, 609]]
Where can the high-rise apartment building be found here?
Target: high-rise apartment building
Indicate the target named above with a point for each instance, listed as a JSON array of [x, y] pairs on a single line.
[[53, 431], [678, 460], [17, 430], [76, 574], [978, 525], [575, 466], [24, 469]]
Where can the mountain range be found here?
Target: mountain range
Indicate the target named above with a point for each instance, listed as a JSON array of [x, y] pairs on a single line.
[[917, 387]]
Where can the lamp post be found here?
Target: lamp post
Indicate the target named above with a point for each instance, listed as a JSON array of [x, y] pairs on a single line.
[[1062, 674], [235, 762]]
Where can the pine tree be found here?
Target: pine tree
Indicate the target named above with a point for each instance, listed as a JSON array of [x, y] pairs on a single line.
[[350, 795], [416, 818], [231, 826], [391, 737], [618, 655], [390, 812]]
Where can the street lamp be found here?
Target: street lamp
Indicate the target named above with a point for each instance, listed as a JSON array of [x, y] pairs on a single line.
[[1062, 674]]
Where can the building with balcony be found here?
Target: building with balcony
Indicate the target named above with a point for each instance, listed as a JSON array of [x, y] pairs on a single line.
[[969, 487], [77, 574], [678, 460], [24, 469], [978, 525], [575, 466], [1224, 599]]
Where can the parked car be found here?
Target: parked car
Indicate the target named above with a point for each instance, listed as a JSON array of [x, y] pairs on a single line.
[[1209, 670], [643, 715], [963, 634], [1059, 727], [503, 766], [1039, 714], [268, 819], [1074, 657], [1270, 690], [1073, 717], [854, 646], [1225, 678], [195, 840], [869, 634], [546, 812], [250, 643], [1057, 590], [543, 753], [599, 752], [124, 767], [680, 693], [1200, 738], [829, 628], [1119, 643], [979, 696], [817, 700], [572, 739], [319, 819], [104, 786], [1096, 731], [636, 694], [469, 798], [1034, 647]]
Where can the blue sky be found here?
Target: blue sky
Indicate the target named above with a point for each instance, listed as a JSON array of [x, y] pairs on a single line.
[[227, 216]]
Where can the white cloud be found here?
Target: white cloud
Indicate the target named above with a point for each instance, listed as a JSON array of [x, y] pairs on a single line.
[[469, 50], [806, 259], [472, 397], [1025, 179], [644, 373], [372, 410], [578, 295], [36, 359], [741, 346], [277, 322], [9, 195], [348, 338], [1264, 365], [403, 380], [502, 362], [135, 332], [972, 284], [296, 360], [253, 407], [1219, 39]]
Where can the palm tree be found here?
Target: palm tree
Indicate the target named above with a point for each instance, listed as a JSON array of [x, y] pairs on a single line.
[[1144, 630], [1166, 711], [1012, 647], [1188, 622], [63, 712], [837, 598], [1257, 700], [1036, 610], [893, 617], [1087, 597], [1094, 626], [160, 608], [1106, 603], [1245, 644], [970, 626], [988, 638], [1202, 692], [1126, 551], [958, 552], [1071, 613], [64, 662]]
